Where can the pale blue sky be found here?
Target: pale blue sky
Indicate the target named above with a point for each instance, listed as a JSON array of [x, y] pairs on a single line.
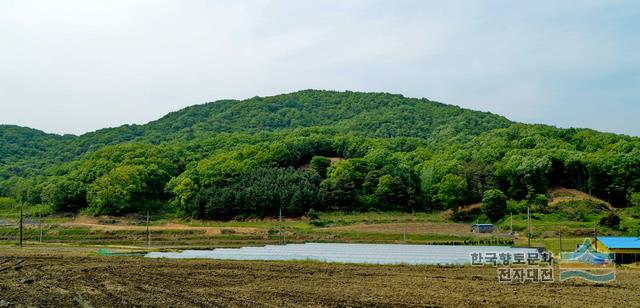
[[77, 66]]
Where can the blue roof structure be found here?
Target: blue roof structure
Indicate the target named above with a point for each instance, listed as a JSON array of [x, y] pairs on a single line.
[[615, 242]]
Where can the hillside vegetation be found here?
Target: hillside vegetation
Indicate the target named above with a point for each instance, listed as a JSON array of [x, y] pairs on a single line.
[[252, 158]]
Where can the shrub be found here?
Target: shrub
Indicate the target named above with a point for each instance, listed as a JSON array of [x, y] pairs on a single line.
[[228, 231], [312, 214], [314, 218], [516, 207], [6, 202], [580, 210], [539, 203], [635, 199], [611, 221]]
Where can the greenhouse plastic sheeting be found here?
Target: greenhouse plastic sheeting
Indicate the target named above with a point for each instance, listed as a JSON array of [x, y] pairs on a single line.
[[347, 253]]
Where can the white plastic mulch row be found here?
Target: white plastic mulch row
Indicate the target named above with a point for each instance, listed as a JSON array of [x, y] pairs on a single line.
[[347, 253]]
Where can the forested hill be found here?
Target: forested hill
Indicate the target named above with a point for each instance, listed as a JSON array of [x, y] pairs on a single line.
[[20, 142], [233, 159], [366, 114], [369, 114]]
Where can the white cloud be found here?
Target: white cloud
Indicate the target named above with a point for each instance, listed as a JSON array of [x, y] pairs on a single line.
[[75, 66]]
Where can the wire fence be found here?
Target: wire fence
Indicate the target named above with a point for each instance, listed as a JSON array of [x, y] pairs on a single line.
[[148, 231], [140, 233], [37, 231]]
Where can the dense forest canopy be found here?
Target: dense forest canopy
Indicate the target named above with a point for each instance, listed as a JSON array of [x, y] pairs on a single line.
[[320, 150]]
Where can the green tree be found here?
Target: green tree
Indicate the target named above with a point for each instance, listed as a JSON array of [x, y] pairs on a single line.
[[452, 191], [260, 193], [494, 204], [525, 175], [183, 189], [320, 164], [338, 193], [427, 185], [635, 199], [65, 195], [397, 191], [118, 191], [390, 192]]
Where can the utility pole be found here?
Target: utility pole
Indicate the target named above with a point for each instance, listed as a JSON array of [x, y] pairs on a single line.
[[280, 225], [40, 227], [529, 225], [511, 227], [20, 226], [404, 233], [595, 235], [560, 234], [148, 232]]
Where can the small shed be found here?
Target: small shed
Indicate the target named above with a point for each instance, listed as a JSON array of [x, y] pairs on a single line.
[[626, 249], [482, 228]]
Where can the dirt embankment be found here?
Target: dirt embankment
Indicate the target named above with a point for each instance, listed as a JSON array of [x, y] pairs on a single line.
[[561, 194]]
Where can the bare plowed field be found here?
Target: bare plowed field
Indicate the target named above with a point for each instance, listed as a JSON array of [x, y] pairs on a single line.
[[39, 277]]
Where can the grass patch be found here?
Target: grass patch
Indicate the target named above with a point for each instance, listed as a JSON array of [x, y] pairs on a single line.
[[10, 210], [344, 219]]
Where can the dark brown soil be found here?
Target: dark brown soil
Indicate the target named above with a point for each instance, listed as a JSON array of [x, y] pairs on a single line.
[[79, 278]]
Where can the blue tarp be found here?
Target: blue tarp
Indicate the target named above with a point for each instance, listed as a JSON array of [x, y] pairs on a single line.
[[613, 242]]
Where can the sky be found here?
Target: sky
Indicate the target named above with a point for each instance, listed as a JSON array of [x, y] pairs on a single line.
[[74, 66]]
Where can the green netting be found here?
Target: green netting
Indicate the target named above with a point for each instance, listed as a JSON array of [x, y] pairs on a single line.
[[107, 253]]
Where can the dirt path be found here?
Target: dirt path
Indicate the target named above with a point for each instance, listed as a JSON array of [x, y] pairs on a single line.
[[412, 228], [170, 226], [129, 225]]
